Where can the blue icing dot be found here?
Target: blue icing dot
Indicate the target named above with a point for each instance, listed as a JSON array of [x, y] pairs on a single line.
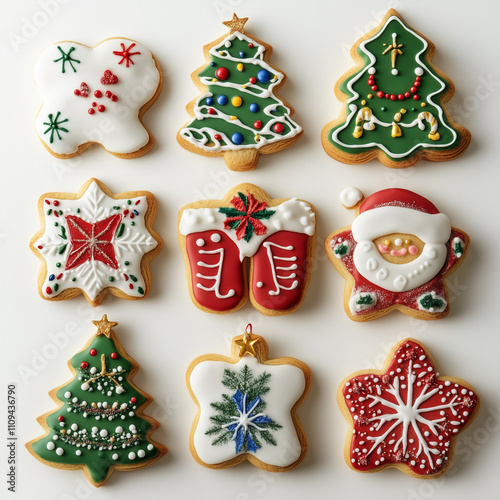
[[209, 101], [212, 64], [242, 54], [263, 76], [254, 107], [237, 138], [52, 277], [222, 100]]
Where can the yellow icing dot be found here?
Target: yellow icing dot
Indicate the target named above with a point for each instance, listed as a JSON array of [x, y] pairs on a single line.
[[369, 96], [363, 102], [387, 243], [274, 78], [403, 111], [257, 138], [243, 86], [221, 52], [407, 242], [214, 79], [233, 117], [236, 101], [239, 67], [423, 105]]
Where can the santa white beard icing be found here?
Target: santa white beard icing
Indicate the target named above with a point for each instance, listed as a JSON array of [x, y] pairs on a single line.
[[433, 229], [396, 255]]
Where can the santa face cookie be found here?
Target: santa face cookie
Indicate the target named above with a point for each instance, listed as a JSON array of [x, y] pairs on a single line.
[[96, 95], [405, 416], [277, 236], [94, 242], [99, 425], [239, 114], [396, 255], [247, 407], [394, 102]]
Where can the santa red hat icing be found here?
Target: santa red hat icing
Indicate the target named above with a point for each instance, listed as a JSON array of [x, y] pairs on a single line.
[[396, 211]]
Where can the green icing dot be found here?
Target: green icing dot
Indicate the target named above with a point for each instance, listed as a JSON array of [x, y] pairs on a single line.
[[58, 264], [74, 279], [140, 290], [133, 278], [383, 108], [126, 262], [56, 287], [129, 202], [56, 224], [116, 207], [132, 223], [77, 210], [49, 211], [111, 279]]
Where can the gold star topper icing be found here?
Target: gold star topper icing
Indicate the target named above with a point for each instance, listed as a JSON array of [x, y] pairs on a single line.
[[236, 24], [246, 344], [104, 326], [394, 47]]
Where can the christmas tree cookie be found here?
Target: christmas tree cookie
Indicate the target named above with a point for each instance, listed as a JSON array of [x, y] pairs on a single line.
[[396, 255], [239, 114], [247, 407], [394, 102], [94, 242], [99, 425], [96, 95], [218, 237], [406, 415]]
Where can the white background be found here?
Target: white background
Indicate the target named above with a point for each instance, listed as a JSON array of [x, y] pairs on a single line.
[[166, 331]]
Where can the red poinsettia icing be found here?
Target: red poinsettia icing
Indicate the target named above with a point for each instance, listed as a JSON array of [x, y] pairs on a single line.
[[244, 216], [109, 78], [92, 241], [125, 54], [406, 415]]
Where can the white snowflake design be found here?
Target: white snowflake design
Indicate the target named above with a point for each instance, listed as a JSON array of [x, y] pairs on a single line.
[[406, 415]]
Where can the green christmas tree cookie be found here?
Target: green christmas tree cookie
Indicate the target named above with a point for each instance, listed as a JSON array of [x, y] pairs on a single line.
[[99, 425], [394, 102], [239, 115]]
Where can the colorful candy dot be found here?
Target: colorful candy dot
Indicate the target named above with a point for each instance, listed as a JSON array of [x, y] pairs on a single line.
[[212, 64], [383, 108], [98, 93], [60, 418], [101, 108], [254, 107], [237, 138], [56, 203], [107, 94], [111, 279], [252, 79], [48, 290], [92, 352], [211, 111], [263, 76], [236, 101], [58, 264], [416, 97], [209, 101], [257, 124], [222, 100], [239, 66], [241, 54], [140, 290], [84, 365], [222, 73], [126, 262], [113, 355], [217, 137], [52, 277], [278, 128], [133, 399], [250, 45]]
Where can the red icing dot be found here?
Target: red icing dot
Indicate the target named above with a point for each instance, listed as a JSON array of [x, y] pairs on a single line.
[[401, 97], [380, 94], [48, 290], [250, 45], [48, 202], [252, 79], [387, 96], [413, 89], [417, 83], [416, 97], [222, 73], [59, 276], [125, 212], [40, 247], [113, 355], [107, 94], [77, 92], [133, 400], [257, 124], [114, 98], [278, 128], [84, 365], [94, 104], [91, 111], [407, 94], [98, 93], [393, 97], [131, 286], [60, 418], [92, 352], [56, 203], [217, 137], [101, 108], [132, 216], [211, 111], [374, 87]]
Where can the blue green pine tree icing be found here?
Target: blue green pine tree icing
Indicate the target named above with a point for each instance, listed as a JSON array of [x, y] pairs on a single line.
[[240, 417], [394, 100]]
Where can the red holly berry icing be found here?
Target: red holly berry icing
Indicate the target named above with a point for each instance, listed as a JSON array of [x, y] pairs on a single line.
[[125, 54], [109, 78], [406, 415]]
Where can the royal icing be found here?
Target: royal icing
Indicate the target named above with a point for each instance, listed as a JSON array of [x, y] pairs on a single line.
[[240, 109], [95, 95], [394, 101], [410, 284], [99, 422], [246, 408], [406, 416], [94, 242], [276, 238]]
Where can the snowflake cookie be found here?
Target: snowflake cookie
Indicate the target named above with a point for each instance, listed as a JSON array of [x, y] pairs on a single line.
[[239, 114], [247, 407], [96, 95], [99, 425], [394, 102], [94, 242], [405, 416], [396, 255], [276, 235]]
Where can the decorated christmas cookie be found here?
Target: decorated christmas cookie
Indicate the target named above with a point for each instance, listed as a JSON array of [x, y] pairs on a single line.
[[394, 102], [405, 416], [239, 115], [99, 425], [247, 407], [276, 236], [96, 95], [396, 255], [94, 242]]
